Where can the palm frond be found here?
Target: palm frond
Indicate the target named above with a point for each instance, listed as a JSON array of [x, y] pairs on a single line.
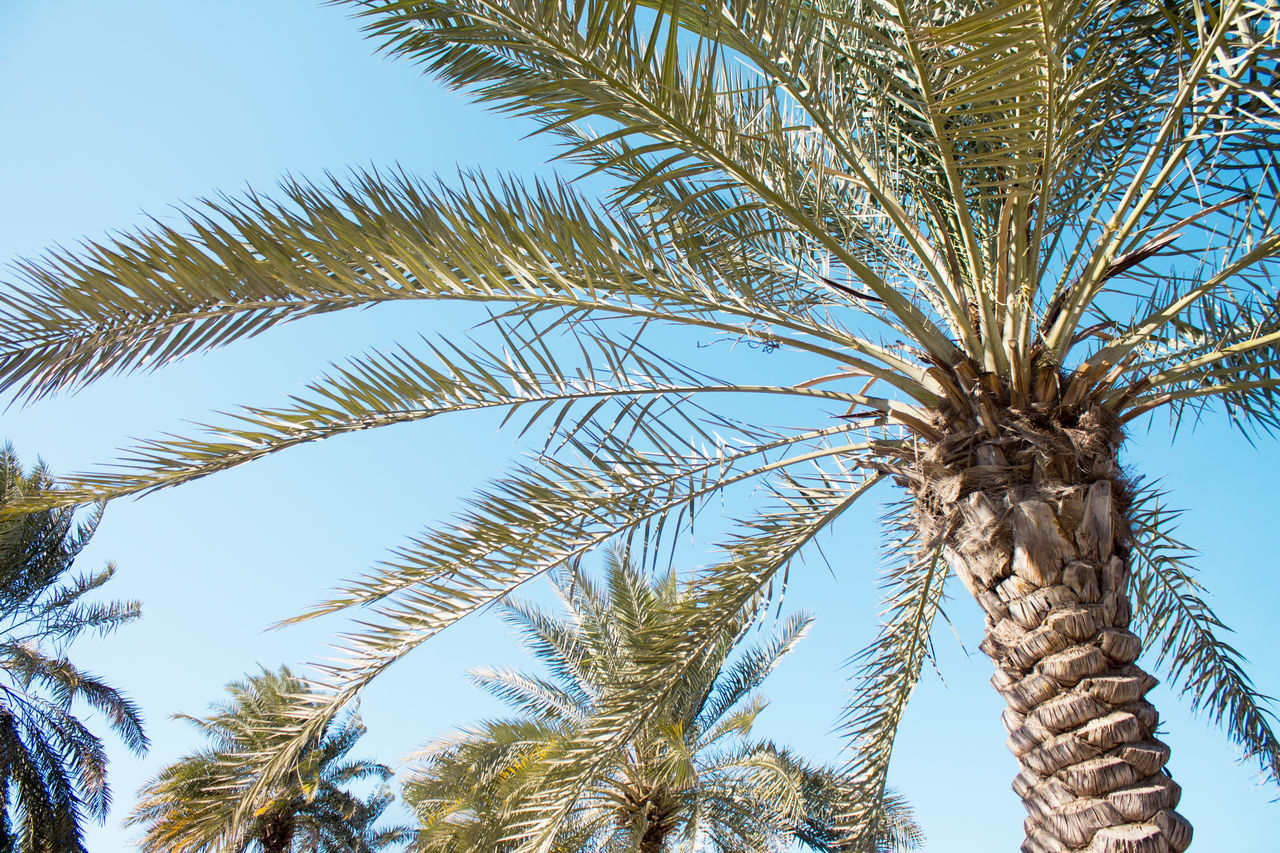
[[53, 768], [195, 804], [751, 668], [888, 669], [757, 559], [533, 696], [246, 264], [598, 60], [671, 777], [1203, 150], [1186, 637]]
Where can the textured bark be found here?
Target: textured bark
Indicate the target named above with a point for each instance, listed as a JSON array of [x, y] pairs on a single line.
[[657, 824], [1035, 528], [276, 833], [653, 839]]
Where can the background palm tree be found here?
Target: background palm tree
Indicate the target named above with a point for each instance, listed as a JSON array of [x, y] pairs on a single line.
[[990, 234], [192, 804], [53, 768], [690, 777]]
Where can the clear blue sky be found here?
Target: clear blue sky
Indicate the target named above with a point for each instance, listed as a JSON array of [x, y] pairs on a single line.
[[112, 109]]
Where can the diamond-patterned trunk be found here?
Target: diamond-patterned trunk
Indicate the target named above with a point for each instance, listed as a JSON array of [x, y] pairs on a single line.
[[1047, 563]]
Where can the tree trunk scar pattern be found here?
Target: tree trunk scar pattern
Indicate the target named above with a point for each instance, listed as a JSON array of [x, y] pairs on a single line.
[[1042, 545]]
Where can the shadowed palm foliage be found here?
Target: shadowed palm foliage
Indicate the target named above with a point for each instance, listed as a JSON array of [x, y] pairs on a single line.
[[192, 805], [985, 234], [53, 768], [690, 777]]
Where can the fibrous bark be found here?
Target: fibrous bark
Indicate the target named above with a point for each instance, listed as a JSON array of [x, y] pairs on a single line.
[[1031, 517], [276, 832], [652, 840], [657, 822]]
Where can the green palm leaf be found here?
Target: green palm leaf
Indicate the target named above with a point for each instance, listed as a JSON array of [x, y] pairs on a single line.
[[53, 768], [688, 769], [1187, 638], [193, 803]]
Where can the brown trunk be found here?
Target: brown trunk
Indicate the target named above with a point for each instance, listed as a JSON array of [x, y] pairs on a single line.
[[276, 833], [657, 825], [653, 838], [1047, 562]]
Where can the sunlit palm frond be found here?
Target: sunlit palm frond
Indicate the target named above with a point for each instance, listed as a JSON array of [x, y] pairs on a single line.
[[750, 669], [888, 669], [687, 770], [250, 263], [194, 803], [756, 559], [599, 60], [1186, 638]]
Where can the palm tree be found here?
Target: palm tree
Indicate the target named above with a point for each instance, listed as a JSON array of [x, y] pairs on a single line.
[[690, 774], [53, 768], [191, 805], [988, 235]]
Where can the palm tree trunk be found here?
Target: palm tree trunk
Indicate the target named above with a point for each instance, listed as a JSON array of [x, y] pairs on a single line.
[[657, 824], [653, 839], [276, 833], [1047, 561]]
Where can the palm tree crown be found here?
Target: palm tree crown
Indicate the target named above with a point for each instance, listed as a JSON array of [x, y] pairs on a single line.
[[689, 778], [53, 768], [191, 806], [991, 234]]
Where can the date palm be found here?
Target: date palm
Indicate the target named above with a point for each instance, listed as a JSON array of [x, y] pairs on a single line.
[[192, 804], [988, 236], [53, 768], [691, 774]]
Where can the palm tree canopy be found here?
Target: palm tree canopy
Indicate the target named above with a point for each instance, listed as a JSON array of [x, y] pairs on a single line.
[[192, 804], [691, 773], [53, 768], [1010, 225]]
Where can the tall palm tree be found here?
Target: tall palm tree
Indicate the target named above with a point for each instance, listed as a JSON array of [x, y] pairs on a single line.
[[689, 775], [990, 235], [53, 768], [192, 804]]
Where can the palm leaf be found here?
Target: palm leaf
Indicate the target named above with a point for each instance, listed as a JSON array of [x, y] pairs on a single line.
[[888, 668], [1186, 637]]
